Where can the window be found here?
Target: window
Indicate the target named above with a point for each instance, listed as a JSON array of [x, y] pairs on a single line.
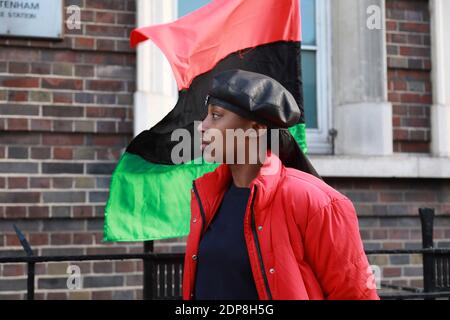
[[186, 6], [316, 75], [309, 58], [315, 68]]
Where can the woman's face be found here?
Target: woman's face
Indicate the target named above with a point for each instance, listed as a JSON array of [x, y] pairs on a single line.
[[228, 137]]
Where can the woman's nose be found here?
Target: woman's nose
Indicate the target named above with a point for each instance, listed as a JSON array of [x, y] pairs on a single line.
[[201, 127]]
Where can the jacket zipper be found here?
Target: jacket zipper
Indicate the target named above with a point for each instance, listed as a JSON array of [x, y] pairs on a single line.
[[258, 249], [202, 211]]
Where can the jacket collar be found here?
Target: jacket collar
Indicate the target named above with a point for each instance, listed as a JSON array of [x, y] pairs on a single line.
[[212, 185]]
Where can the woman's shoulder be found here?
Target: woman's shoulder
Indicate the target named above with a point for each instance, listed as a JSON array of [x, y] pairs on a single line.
[[302, 188]]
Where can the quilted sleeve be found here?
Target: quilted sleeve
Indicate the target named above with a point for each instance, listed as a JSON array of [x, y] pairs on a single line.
[[334, 250]]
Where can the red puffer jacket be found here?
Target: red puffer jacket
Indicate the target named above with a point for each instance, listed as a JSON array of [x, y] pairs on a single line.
[[301, 234]]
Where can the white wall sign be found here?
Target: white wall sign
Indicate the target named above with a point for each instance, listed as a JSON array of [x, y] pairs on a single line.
[[31, 18]]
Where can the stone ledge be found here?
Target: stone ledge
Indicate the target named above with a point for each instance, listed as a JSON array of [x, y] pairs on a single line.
[[394, 166]]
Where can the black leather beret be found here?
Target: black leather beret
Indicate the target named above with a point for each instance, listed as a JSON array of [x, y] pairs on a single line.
[[254, 96]]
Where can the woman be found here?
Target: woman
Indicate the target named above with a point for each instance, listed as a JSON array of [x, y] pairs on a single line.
[[270, 228]]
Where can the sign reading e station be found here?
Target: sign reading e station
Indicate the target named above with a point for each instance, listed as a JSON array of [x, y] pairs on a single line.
[[31, 18]]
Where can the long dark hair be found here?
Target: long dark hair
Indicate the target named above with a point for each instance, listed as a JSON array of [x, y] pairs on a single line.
[[290, 153]]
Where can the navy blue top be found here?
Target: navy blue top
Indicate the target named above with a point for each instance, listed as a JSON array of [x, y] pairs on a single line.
[[223, 270]]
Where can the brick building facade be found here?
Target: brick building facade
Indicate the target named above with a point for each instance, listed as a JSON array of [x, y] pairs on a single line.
[[66, 113]]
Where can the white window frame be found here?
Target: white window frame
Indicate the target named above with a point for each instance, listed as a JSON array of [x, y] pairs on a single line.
[[318, 138], [156, 89]]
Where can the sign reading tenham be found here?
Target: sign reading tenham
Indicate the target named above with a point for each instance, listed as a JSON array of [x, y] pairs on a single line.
[[31, 18]]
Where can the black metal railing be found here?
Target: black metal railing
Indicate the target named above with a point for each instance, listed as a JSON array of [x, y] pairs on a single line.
[[163, 272], [435, 262]]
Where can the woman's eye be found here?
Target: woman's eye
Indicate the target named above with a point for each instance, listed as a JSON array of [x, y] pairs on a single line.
[[215, 116]]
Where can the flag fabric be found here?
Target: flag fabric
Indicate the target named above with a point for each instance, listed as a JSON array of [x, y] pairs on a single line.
[[150, 194]]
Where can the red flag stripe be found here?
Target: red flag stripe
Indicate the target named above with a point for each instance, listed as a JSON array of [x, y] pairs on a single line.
[[195, 43]]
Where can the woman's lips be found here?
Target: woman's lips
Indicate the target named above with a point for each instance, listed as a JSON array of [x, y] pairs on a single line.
[[204, 144]]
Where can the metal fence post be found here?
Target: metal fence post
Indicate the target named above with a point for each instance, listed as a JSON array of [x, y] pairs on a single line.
[[30, 265], [148, 272], [30, 280], [427, 219]]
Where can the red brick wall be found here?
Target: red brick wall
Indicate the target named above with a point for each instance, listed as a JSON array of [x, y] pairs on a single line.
[[409, 66], [65, 116]]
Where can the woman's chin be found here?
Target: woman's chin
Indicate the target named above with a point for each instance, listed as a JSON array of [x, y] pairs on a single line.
[[210, 158], [206, 155]]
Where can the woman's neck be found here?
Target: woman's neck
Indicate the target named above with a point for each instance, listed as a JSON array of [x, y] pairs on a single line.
[[243, 174]]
